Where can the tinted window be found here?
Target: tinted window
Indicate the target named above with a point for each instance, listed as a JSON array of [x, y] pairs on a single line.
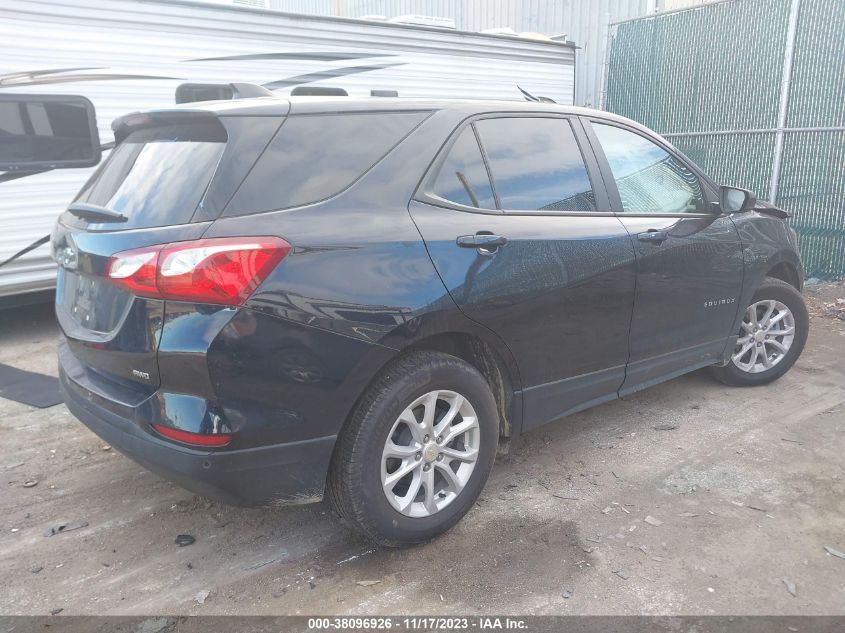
[[463, 177], [650, 180], [536, 164], [33, 131], [158, 176], [314, 157]]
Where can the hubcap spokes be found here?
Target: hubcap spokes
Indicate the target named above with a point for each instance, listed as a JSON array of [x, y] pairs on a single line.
[[430, 453], [765, 336]]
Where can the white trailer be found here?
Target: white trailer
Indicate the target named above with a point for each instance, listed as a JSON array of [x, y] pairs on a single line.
[[128, 55]]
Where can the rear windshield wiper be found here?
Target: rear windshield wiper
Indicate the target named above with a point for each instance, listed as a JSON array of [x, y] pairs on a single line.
[[95, 212]]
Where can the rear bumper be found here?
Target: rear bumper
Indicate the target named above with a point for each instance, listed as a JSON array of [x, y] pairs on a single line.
[[283, 474]]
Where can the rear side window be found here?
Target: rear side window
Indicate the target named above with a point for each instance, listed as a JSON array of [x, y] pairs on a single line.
[[314, 157], [536, 164], [158, 176], [463, 178]]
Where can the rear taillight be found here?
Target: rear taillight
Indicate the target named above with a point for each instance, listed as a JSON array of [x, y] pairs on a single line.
[[224, 270], [135, 270], [194, 439]]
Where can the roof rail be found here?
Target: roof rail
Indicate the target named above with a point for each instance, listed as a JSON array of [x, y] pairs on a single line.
[[193, 92], [318, 91]]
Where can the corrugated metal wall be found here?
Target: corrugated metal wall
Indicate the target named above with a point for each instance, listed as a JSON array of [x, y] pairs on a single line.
[[584, 21], [131, 55], [735, 86]]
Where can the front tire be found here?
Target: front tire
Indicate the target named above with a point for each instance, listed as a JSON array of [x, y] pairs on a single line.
[[417, 451], [771, 337]]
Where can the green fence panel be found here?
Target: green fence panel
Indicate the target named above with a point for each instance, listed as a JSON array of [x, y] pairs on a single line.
[[710, 79], [716, 67], [817, 86], [812, 187]]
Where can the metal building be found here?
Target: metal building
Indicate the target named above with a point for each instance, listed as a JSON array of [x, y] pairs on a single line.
[[584, 22], [129, 55]]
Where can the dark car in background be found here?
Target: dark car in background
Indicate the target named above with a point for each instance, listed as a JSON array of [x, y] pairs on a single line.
[[269, 300]]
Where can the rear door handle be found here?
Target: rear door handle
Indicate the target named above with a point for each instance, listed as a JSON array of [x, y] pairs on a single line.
[[481, 240], [654, 236]]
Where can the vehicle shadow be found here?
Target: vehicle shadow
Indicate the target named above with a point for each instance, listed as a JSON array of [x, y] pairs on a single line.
[[28, 335]]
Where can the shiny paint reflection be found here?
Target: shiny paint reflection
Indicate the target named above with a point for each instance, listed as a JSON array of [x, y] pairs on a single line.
[[700, 262], [766, 242], [191, 413], [267, 379], [288, 381], [122, 331], [560, 294], [555, 303]]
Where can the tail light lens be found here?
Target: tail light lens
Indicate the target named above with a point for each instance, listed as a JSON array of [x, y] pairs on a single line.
[[194, 439], [223, 270], [135, 270]]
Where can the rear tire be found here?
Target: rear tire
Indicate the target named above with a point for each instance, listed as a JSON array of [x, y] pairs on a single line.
[[771, 337], [411, 497]]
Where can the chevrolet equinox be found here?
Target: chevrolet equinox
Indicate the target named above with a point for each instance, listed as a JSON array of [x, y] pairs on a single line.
[[272, 300]]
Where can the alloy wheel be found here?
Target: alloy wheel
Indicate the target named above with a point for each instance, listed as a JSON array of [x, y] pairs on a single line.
[[766, 334], [430, 453]]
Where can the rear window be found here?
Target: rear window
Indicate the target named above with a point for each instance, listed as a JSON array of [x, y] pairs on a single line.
[[314, 157], [158, 176]]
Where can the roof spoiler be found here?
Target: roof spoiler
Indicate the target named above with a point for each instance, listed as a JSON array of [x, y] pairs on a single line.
[[128, 123]]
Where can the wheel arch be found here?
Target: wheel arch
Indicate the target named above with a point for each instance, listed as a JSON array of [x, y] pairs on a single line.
[[787, 271], [781, 263], [479, 353], [487, 354], [784, 264]]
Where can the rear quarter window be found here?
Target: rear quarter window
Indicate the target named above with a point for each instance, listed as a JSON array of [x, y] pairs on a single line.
[[314, 157], [463, 178]]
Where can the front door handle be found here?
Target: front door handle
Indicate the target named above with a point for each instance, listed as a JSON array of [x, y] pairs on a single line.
[[654, 236], [481, 240]]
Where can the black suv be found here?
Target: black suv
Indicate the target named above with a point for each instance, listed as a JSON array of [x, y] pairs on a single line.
[[268, 300]]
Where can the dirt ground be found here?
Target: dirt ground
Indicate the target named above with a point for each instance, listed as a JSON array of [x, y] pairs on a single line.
[[688, 498]]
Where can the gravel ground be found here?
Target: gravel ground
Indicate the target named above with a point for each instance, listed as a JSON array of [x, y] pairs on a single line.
[[688, 498]]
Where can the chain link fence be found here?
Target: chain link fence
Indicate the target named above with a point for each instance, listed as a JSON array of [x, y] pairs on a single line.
[[754, 92]]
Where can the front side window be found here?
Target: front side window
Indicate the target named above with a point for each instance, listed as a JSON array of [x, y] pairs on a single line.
[[463, 178], [649, 179], [536, 164]]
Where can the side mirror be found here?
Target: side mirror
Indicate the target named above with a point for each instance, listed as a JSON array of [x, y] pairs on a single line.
[[736, 200], [41, 132]]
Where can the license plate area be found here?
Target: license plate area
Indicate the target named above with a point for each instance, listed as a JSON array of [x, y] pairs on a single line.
[[92, 303]]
